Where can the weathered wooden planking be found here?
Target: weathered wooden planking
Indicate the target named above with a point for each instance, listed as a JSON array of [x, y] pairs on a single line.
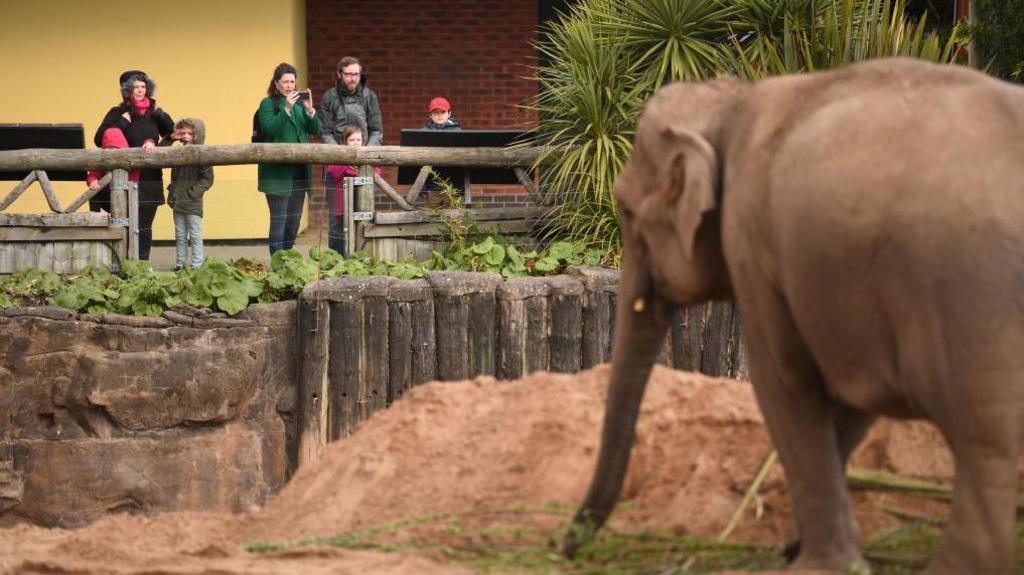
[[7, 258], [721, 341], [476, 215], [435, 229], [464, 307], [358, 364], [523, 322], [707, 338], [688, 338], [348, 395], [62, 258], [48, 234], [314, 397], [566, 324], [483, 314], [411, 341], [598, 312], [84, 219]]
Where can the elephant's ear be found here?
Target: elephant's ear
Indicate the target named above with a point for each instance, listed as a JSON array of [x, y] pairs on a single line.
[[688, 182]]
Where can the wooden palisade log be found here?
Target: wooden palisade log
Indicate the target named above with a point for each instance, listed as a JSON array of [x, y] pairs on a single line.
[[523, 322], [566, 316], [464, 307], [600, 285], [358, 364], [411, 341], [313, 341]]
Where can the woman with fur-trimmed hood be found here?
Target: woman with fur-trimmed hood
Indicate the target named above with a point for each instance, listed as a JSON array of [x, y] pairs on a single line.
[[143, 125]]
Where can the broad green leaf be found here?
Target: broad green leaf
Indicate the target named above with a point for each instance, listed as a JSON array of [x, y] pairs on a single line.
[[495, 256], [233, 302]]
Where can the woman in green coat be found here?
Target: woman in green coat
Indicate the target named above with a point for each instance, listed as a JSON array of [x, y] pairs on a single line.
[[286, 185]]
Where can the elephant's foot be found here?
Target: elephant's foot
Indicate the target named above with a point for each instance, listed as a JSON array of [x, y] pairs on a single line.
[[855, 565]]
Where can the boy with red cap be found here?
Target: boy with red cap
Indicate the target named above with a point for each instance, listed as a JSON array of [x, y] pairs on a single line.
[[440, 111]]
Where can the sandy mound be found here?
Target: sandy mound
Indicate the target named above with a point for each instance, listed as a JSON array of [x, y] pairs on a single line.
[[499, 453]]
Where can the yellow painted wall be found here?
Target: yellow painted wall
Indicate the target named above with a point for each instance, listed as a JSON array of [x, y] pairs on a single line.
[[210, 58]]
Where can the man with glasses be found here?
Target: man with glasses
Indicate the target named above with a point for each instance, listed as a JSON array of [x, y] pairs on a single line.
[[350, 102]]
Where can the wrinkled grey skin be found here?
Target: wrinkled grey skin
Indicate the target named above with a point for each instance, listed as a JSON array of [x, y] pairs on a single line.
[[869, 223]]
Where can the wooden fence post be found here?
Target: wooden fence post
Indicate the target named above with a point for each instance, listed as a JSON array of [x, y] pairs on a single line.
[[600, 285], [314, 398], [465, 310], [119, 213], [358, 353], [566, 311], [721, 341], [523, 323], [412, 344]]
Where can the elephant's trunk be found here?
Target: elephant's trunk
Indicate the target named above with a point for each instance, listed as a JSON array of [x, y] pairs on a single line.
[[642, 319]]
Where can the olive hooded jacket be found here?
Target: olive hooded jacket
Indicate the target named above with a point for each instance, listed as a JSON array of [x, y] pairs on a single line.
[[189, 183]]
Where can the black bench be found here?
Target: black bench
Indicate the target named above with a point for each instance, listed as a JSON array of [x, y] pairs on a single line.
[[459, 176]]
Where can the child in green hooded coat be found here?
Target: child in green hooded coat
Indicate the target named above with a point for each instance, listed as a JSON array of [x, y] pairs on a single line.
[[185, 195]]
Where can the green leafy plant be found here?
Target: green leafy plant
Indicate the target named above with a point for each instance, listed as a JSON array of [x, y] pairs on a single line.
[[456, 227], [230, 287]]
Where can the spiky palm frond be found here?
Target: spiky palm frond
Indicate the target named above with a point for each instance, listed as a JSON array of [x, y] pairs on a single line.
[[849, 31], [608, 56], [668, 40]]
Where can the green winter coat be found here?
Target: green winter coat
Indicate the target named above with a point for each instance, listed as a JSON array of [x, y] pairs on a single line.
[[189, 183], [281, 128]]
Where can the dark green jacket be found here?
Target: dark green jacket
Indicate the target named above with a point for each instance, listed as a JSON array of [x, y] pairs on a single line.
[[189, 183], [282, 128]]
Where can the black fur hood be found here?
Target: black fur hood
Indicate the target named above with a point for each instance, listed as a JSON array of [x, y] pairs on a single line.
[[126, 84]]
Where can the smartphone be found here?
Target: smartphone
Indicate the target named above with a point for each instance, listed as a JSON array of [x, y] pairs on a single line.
[[303, 95]]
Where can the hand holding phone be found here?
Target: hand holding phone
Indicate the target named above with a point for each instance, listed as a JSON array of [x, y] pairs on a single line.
[[303, 96]]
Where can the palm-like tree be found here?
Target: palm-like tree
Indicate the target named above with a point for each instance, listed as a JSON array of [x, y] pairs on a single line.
[[608, 56]]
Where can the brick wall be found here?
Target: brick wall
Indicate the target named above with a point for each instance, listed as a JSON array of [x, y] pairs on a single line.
[[476, 53]]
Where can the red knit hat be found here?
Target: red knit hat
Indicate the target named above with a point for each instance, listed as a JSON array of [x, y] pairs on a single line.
[[439, 103], [114, 138]]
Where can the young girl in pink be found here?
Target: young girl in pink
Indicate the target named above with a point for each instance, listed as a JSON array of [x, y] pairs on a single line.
[[351, 136], [112, 139]]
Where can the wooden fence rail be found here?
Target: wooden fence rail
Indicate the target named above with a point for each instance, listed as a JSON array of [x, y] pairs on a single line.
[[35, 245], [236, 154]]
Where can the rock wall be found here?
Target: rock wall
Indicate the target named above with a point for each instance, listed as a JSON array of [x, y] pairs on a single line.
[[195, 411], [106, 414]]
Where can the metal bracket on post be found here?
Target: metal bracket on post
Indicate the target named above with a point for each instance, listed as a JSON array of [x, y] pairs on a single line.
[[119, 211], [133, 218], [364, 205], [348, 231]]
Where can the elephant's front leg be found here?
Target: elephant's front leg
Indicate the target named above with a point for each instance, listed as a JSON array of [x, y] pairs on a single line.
[[802, 425]]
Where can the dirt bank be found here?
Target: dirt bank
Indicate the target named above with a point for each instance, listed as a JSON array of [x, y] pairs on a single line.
[[510, 454]]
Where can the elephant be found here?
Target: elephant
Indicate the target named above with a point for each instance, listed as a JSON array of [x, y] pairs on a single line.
[[868, 222]]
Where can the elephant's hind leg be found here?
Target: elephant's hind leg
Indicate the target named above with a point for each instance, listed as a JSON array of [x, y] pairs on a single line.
[[802, 423], [986, 442], [851, 425]]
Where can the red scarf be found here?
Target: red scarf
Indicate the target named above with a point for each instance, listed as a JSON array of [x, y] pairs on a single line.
[[141, 106]]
